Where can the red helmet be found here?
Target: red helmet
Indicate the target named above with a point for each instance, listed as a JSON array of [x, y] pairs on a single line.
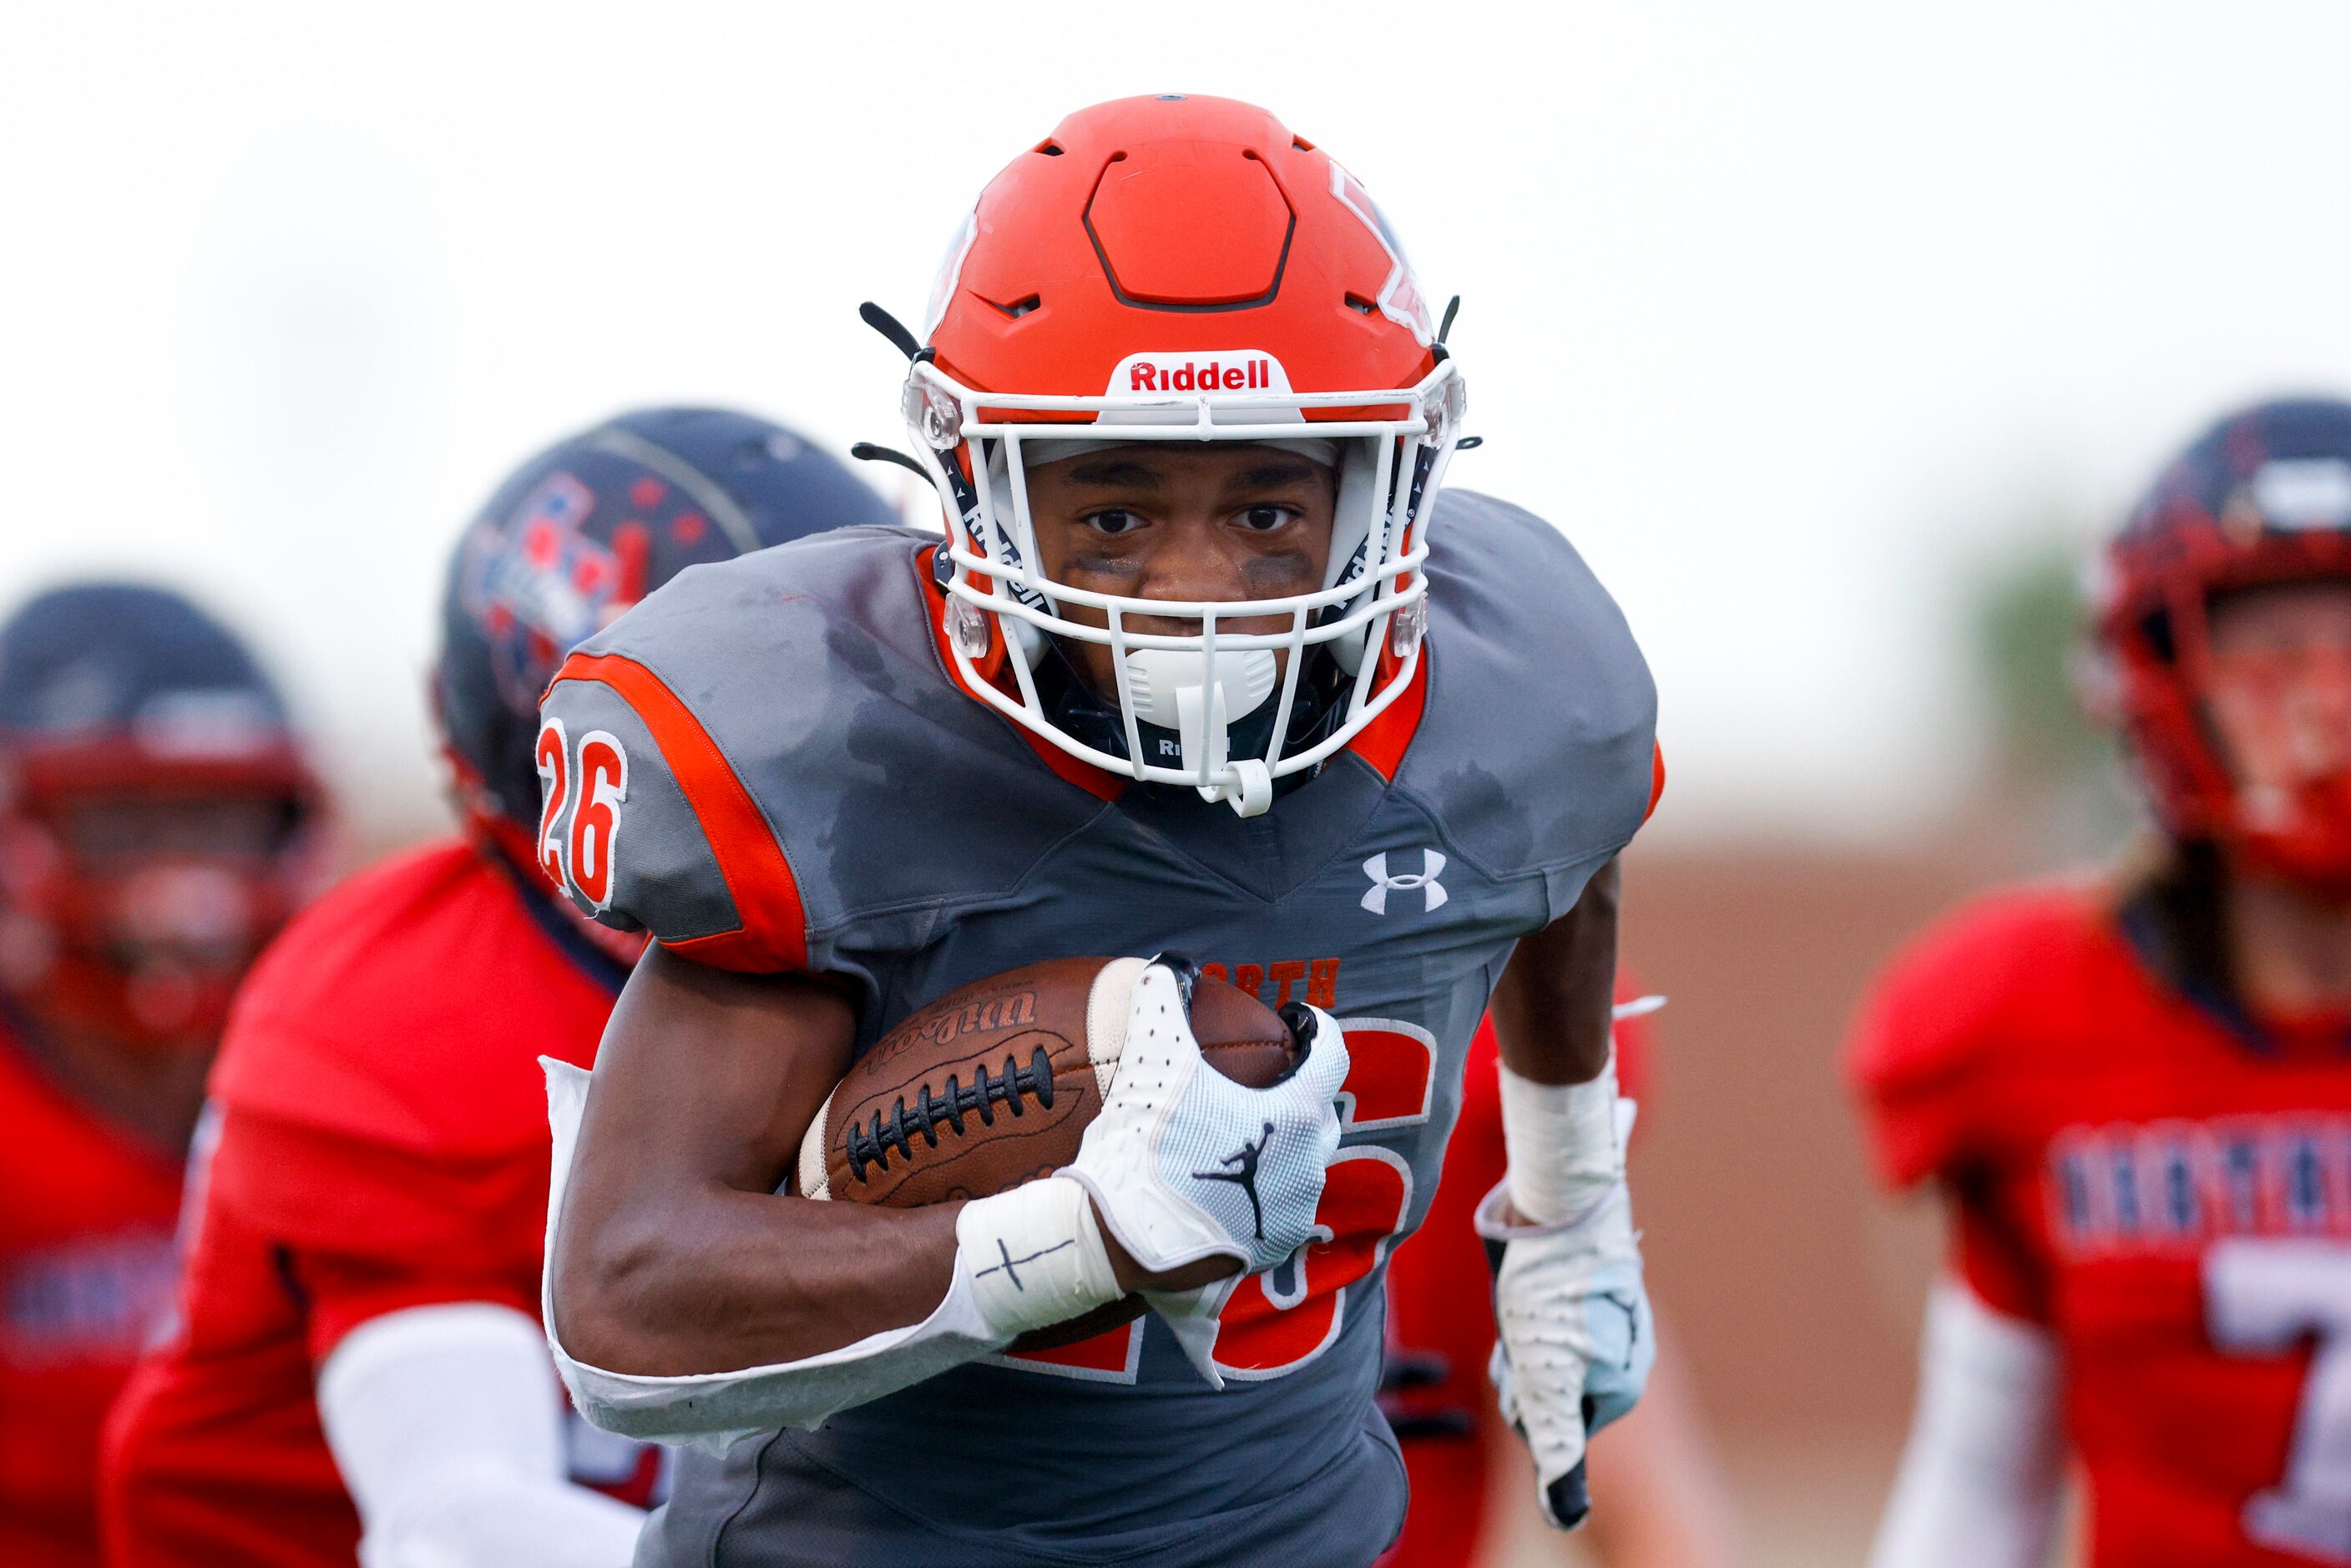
[[158, 822], [1183, 268], [2262, 497]]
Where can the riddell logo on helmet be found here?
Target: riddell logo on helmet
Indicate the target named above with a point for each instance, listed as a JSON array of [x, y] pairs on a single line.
[[1225, 371]]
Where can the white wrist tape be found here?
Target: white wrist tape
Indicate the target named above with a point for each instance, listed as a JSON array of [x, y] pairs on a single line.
[[1034, 1254], [1565, 1142]]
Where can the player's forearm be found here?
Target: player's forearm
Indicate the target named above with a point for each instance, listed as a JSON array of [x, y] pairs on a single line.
[[1551, 1008], [713, 1279], [1552, 1011], [1979, 1481], [446, 1424], [674, 1254]]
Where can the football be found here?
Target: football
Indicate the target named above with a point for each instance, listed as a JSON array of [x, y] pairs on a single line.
[[994, 1085]]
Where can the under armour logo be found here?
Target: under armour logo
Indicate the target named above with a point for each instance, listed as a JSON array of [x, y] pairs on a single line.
[[1424, 881]]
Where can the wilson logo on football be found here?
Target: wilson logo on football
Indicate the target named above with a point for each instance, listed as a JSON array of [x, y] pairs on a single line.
[[1225, 371]]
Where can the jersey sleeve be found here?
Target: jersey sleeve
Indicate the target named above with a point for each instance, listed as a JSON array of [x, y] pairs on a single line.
[[362, 1229], [647, 825], [1538, 743], [1925, 1059], [1991, 1254]]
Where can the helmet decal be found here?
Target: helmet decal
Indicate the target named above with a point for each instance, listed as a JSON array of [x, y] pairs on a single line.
[[950, 271], [1401, 299], [538, 585]]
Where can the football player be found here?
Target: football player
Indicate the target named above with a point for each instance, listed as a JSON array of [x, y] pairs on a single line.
[[357, 1365], [156, 823], [1204, 666], [1661, 1503], [2133, 1092]]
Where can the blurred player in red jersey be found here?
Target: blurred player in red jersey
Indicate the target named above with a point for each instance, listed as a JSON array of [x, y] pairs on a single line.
[[1660, 1503], [156, 823], [2135, 1095], [359, 1366]]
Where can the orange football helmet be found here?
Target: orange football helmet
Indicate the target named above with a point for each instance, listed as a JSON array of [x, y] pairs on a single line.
[[1184, 269]]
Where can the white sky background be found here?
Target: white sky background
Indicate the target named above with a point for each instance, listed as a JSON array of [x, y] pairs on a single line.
[[1792, 315]]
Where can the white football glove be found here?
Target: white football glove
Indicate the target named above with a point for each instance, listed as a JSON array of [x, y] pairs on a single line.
[[1575, 1337], [1185, 1163]]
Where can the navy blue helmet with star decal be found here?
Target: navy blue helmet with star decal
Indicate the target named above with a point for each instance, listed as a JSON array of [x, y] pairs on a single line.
[[577, 535]]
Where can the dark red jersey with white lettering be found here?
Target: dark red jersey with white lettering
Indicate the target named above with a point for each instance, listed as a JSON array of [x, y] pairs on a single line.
[[379, 1142], [86, 1215], [2165, 1187]]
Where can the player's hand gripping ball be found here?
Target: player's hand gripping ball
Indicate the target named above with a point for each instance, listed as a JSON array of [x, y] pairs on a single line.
[[995, 1085]]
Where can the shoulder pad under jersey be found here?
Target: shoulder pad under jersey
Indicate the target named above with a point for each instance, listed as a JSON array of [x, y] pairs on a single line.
[[1943, 1039], [1537, 745], [765, 763], [405, 1009]]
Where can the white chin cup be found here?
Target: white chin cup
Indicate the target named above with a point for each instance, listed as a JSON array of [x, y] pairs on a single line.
[[1171, 687], [1198, 696]]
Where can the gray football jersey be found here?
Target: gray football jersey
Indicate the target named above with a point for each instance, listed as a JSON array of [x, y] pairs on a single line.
[[770, 765]]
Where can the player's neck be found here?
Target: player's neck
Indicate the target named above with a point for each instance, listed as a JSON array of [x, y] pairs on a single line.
[[152, 1094], [2291, 950]]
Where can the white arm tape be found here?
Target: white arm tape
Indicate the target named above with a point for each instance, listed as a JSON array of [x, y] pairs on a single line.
[[1980, 1481], [1565, 1143], [447, 1425], [1025, 1258]]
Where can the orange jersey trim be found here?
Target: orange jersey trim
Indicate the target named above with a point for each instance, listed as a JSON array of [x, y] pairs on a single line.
[[1095, 781], [1382, 742], [773, 932]]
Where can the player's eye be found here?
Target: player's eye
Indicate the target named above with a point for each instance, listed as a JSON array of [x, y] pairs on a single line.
[[1265, 519], [1112, 521]]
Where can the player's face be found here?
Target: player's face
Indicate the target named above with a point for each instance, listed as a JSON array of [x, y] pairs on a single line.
[[1214, 522], [166, 881], [2280, 693], [113, 833]]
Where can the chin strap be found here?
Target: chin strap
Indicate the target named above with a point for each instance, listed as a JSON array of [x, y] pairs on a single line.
[[1246, 785]]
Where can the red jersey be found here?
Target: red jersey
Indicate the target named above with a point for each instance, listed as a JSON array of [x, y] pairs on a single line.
[[2166, 1190], [1441, 1325], [85, 1280], [381, 1144]]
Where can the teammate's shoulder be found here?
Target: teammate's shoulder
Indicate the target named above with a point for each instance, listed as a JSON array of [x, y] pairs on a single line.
[[1538, 745], [1960, 1018], [342, 938], [1996, 952], [406, 1008]]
